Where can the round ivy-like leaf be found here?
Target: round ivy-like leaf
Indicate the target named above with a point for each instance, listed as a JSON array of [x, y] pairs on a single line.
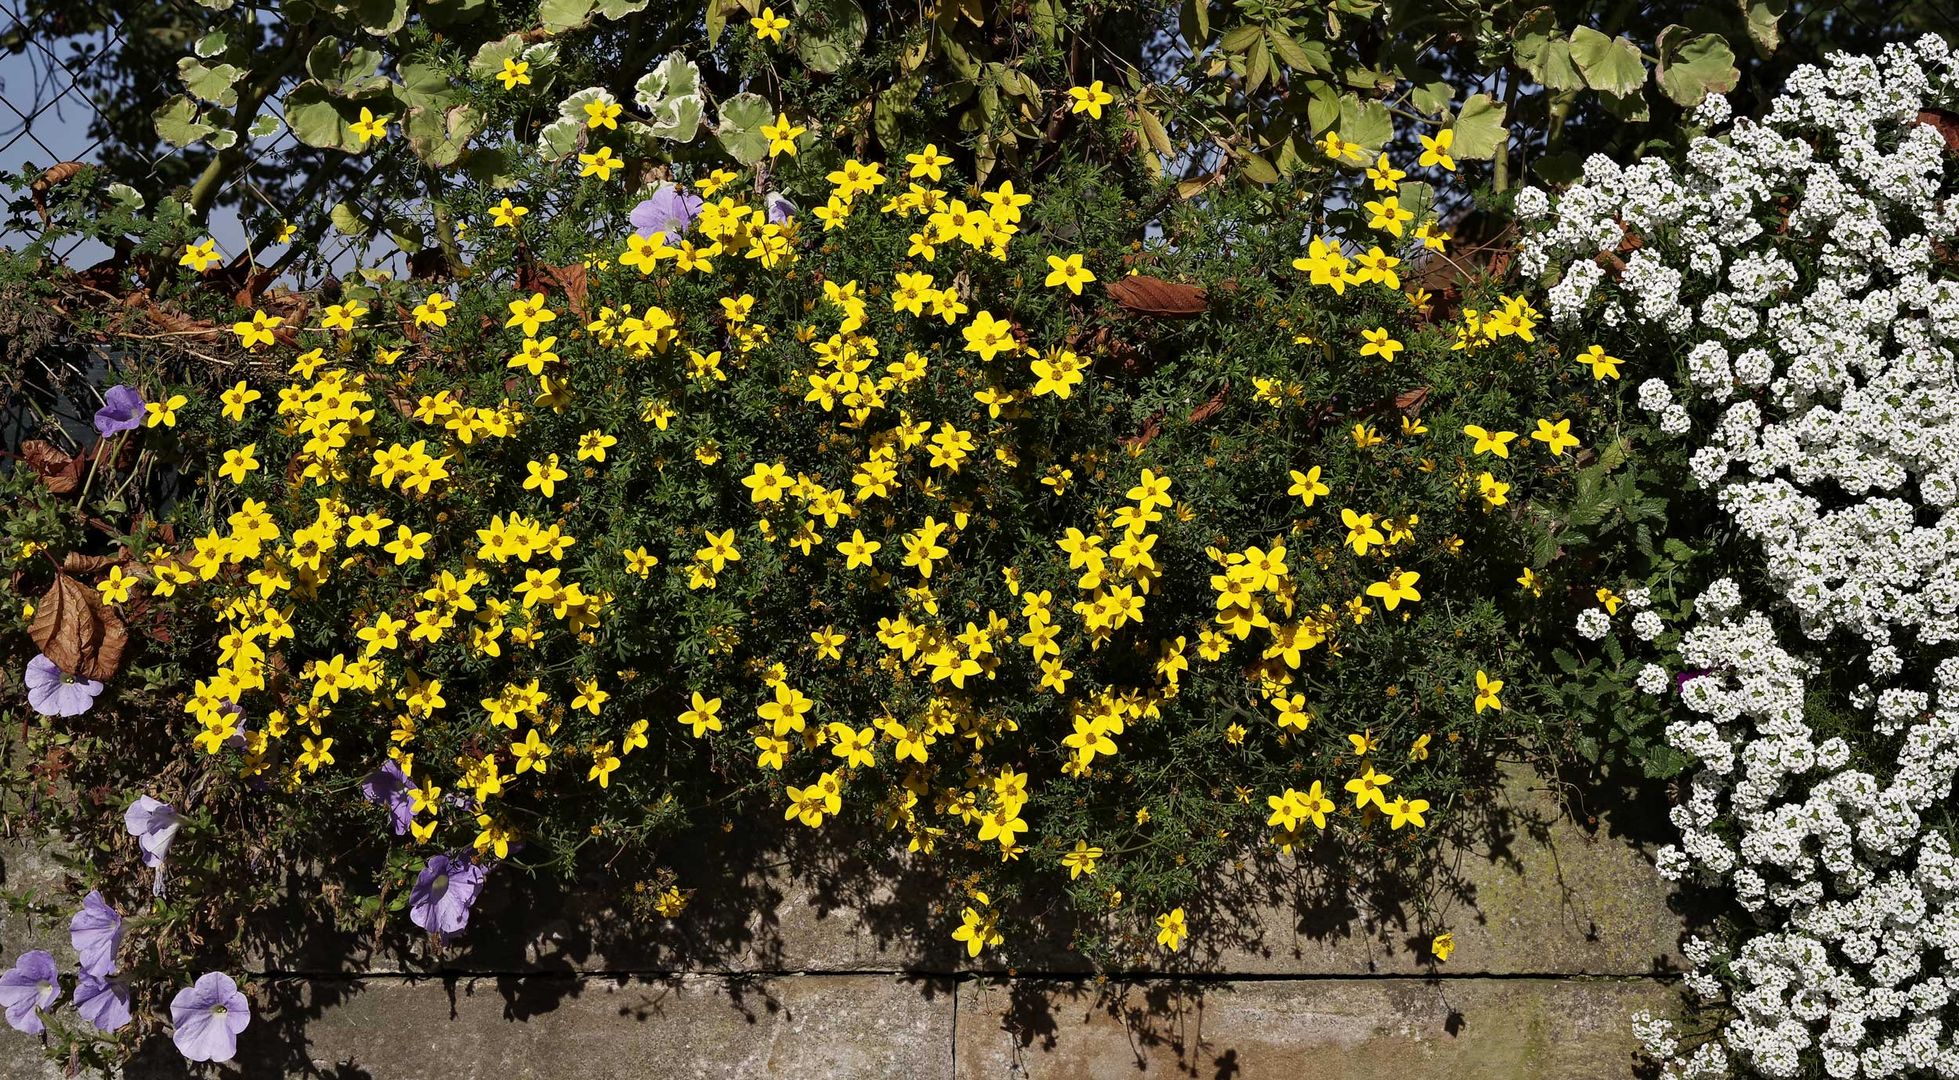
[[1610, 65], [829, 33], [559, 139], [558, 16], [217, 85], [439, 136], [177, 122], [1693, 66], [1479, 128], [740, 130]]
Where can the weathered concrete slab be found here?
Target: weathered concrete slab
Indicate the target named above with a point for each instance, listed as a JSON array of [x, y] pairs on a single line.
[[1524, 889], [545, 1028], [1359, 1029]]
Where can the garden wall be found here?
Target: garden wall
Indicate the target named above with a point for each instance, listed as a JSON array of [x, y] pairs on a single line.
[[807, 969]]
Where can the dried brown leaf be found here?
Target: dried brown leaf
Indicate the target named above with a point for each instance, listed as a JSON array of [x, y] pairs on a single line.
[[73, 629], [1146, 295]]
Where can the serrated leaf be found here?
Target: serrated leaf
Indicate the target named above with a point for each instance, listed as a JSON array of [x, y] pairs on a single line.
[[177, 121], [1258, 64], [829, 33], [1239, 38], [343, 73], [558, 16], [1194, 19], [1479, 128], [1610, 65], [425, 86], [1693, 66], [740, 129], [1044, 17], [216, 85], [1543, 51]]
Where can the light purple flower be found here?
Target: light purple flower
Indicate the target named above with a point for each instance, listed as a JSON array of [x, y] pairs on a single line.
[[670, 209], [154, 825], [96, 931], [122, 410], [388, 786], [779, 207], [441, 898], [208, 1015], [31, 985], [55, 694], [102, 1002]]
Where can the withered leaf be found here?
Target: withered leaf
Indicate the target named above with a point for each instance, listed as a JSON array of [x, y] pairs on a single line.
[[1212, 407], [1147, 295], [61, 472], [73, 629]]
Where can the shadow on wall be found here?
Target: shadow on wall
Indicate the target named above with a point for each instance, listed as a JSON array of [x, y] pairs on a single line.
[[1339, 945]]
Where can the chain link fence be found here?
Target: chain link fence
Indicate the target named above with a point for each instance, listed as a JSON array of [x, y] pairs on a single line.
[[67, 73]]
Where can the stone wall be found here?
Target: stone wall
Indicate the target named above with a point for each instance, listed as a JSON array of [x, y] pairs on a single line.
[[809, 970]]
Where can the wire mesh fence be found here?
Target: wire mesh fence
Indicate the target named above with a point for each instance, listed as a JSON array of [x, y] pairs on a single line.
[[67, 71]]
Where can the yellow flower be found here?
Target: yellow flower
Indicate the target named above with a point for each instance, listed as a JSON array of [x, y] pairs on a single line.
[[515, 73], [115, 588], [1486, 692], [1081, 860], [604, 761], [768, 25], [1380, 343], [599, 164], [506, 214], [199, 257], [257, 330], [1399, 586], [239, 462], [235, 399], [531, 754], [1171, 930], [1493, 491], [544, 476], [1603, 366], [529, 314], [1068, 273], [927, 163], [978, 930], [1488, 442], [1405, 812], [370, 127], [603, 113], [1435, 151], [1443, 947], [702, 718], [1307, 485], [1387, 215], [782, 135], [1557, 437], [163, 413], [1089, 99]]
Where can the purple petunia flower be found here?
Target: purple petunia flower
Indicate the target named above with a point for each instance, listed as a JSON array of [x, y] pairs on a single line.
[[779, 207], [670, 209], [102, 1002], [388, 786], [441, 898], [208, 1015], [96, 931], [53, 693], [122, 410], [154, 825], [31, 985]]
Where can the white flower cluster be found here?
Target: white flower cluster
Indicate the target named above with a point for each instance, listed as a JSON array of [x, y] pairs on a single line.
[[1801, 266], [1839, 395]]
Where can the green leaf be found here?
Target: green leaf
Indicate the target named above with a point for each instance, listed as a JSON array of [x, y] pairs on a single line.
[[1763, 19], [1322, 105], [1257, 169], [1240, 38], [1693, 66], [1365, 122], [343, 74], [381, 17], [425, 86], [740, 130], [559, 138], [1631, 107], [1153, 130], [439, 136], [263, 126], [558, 16], [1194, 19], [1543, 51], [316, 119], [177, 122], [450, 12], [1417, 198], [217, 85], [1044, 16], [717, 20], [829, 33], [348, 220], [490, 56], [1432, 97], [619, 9], [1610, 65], [894, 107], [211, 44], [1479, 128]]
